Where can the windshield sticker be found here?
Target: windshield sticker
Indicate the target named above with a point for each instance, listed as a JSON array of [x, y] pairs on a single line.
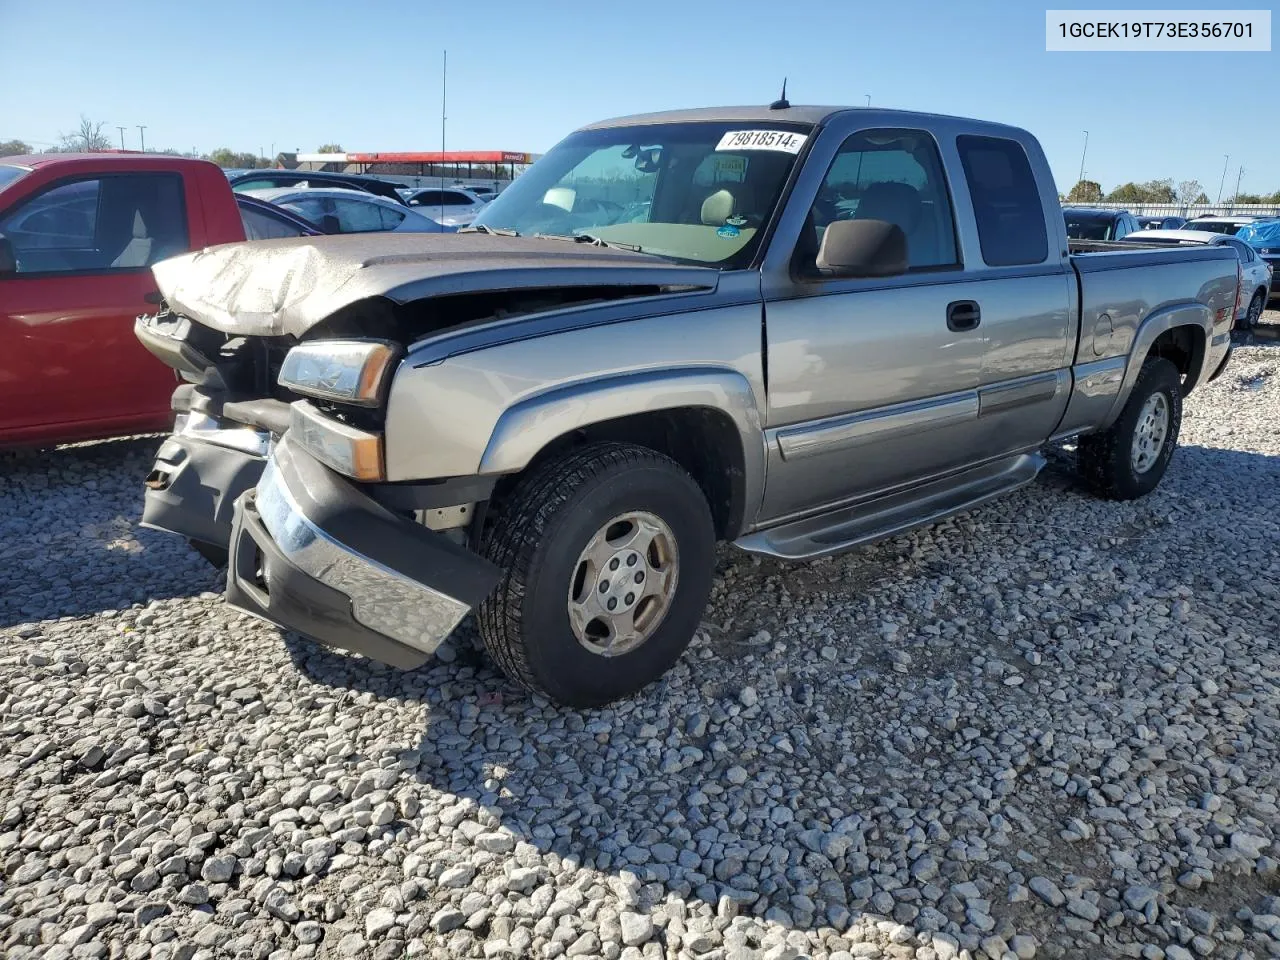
[[737, 221], [780, 140], [728, 231], [730, 169]]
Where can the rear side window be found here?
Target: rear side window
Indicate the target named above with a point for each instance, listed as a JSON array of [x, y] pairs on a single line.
[[1006, 201], [259, 225]]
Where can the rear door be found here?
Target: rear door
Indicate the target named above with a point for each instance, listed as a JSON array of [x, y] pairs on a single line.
[[871, 382], [70, 366], [1028, 296]]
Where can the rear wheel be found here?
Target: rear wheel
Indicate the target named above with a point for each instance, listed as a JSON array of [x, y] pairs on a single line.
[[1127, 460], [608, 554], [1254, 313]]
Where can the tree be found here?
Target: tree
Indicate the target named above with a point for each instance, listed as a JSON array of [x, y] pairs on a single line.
[[13, 148], [1201, 197], [1249, 198], [1086, 191], [1188, 190], [330, 148], [1159, 191], [230, 159], [1153, 191], [88, 138]]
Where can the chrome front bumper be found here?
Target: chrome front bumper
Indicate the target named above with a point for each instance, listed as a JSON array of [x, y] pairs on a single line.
[[312, 553]]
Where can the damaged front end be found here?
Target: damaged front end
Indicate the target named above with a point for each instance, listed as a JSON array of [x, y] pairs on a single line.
[[277, 463]]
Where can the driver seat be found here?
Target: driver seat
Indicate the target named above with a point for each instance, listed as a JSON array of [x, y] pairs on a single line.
[[137, 252]]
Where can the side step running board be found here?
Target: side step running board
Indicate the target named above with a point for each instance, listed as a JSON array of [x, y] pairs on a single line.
[[868, 520]]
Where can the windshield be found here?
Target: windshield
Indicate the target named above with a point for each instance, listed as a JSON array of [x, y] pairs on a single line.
[[10, 173], [692, 192], [1214, 226], [1090, 228]]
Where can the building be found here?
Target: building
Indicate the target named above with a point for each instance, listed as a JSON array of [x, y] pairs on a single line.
[[427, 168]]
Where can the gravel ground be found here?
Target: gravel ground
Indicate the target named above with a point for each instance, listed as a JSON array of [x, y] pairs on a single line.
[[1049, 727]]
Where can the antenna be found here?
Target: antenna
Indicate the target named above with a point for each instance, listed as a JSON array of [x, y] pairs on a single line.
[[781, 103]]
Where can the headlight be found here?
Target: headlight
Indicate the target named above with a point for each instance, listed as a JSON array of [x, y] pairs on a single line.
[[348, 371], [354, 453]]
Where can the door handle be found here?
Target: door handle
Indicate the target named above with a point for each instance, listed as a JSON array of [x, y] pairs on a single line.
[[963, 315]]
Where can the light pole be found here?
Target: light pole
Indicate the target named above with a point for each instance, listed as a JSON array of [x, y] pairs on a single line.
[[1236, 196], [1082, 155], [142, 137], [444, 89], [121, 129], [868, 96], [1226, 158]]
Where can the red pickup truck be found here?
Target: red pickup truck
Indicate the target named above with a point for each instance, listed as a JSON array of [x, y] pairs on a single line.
[[78, 236]]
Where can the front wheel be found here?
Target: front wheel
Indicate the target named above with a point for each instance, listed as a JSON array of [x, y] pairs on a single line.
[[1127, 460], [607, 557]]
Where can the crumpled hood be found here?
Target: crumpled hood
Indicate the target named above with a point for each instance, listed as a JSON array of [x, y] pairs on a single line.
[[285, 287]]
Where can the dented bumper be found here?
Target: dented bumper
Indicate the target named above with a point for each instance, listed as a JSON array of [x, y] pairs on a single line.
[[312, 553]]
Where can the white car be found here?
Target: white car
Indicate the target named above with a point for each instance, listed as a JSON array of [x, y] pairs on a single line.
[[1257, 272], [452, 206], [350, 211], [1224, 223]]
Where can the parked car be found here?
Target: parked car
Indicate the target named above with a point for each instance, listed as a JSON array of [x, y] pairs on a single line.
[[1222, 224], [484, 191], [452, 206], [1084, 223], [1257, 273], [265, 221], [350, 211], [80, 233], [1161, 223], [1264, 237], [554, 421], [254, 180]]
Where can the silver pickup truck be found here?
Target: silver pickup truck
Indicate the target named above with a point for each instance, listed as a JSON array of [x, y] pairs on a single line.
[[797, 329]]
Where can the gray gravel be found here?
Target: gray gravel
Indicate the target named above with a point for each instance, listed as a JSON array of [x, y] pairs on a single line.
[[1049, 727]]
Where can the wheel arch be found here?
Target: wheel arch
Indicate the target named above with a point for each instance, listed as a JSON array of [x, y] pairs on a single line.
[[1179, 333], [706, 419]]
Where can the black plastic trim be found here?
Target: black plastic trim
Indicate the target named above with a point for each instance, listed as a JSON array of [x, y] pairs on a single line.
[[270, 415], [194, 486], [432, 496]]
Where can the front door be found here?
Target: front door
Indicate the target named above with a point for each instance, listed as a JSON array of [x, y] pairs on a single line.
[[872, 382], [70, 366]]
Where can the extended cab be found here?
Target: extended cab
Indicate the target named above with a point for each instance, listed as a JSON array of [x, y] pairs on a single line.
[[796, 329], [78, 236]]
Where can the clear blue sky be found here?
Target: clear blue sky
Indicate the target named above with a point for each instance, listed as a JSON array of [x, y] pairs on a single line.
[[521, 75]]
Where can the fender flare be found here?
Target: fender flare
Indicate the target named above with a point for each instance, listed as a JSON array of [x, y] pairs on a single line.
[[1187, 314], [527, 427]]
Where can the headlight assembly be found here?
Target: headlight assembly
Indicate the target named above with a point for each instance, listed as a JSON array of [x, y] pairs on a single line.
[[352, 452], [345, 371]]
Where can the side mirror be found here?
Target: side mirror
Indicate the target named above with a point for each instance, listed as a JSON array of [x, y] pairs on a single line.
[[8, 259], [863, 248]]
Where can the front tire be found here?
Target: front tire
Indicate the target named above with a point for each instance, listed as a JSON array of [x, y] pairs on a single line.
[[1128, 459], [608, 554]]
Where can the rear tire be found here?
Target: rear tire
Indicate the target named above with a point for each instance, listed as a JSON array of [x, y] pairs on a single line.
[[1128, 459], [580, 504], [1254, 313]]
